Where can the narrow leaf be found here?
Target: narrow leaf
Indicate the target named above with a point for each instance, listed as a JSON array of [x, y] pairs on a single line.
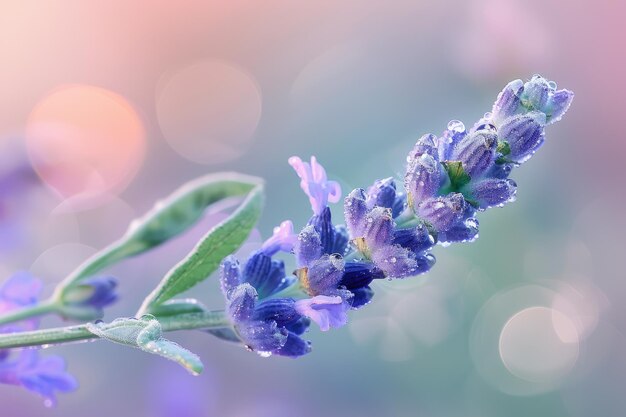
[[167, 219], [204, 259]]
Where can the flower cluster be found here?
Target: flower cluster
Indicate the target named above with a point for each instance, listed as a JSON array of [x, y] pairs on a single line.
[[388, 233]]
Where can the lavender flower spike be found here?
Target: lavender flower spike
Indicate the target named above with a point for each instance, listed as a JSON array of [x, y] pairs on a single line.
[[315, 184]]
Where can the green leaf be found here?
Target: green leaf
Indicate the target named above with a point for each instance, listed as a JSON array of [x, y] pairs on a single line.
[[179, 306], [458, 176], [171, 217], [146, 334], [204, 259]]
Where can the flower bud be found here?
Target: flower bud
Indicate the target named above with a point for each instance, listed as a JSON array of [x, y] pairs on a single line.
[[525, 135], [355, 210], [381, 194], [476, 151], [492, 192], [443, 212], [422, 179]]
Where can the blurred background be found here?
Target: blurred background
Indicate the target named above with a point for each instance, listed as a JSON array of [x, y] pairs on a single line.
[[107, 106]]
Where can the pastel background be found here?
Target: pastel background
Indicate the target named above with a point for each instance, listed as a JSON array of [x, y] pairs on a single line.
[[107, 106]]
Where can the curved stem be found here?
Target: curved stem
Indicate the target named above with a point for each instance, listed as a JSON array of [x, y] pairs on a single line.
[[69, 334], [28, 312]]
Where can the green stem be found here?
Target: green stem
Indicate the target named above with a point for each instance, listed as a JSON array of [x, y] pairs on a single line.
[[60, 335], [99, 261], [108, 256], [28, 312]]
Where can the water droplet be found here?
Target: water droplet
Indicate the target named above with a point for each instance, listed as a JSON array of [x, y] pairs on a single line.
[[264, 354], [456, 126]]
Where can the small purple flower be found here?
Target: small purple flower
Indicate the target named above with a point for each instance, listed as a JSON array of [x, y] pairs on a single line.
[[283, 239], [416, 239], [538, 94], [558, 105], [442, 212], [492, 192], [398, 262], [326, 311], [376, 237], [268, 327], [476, 151], [334, 239], [524, 134], [382, 194], [454, 133], [423, 178], [322, 276], [466, 230], [42, 375], [355, 211], [87, 300], [508, 102], [263, 323], [315, 184], [265, 274], [19, 291], [308, 247], [379, 227]]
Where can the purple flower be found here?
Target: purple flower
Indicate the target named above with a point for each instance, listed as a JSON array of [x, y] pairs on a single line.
[[355, 210], [86, 300], [308, 247], [476, 151], [42, 375], [492, 192], [262, 321], [378, 228], [423, 178], [265, 274], [508, 102], [375, 235], [326, 311], [334, 239], [19, 291], [283, 239], [267, 327], [322, 276], [315, 184], [524, 134], [454, 133], [416, 239], [466, 230], [442, 212], [538, 94], [382, 194], [324, 272]]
